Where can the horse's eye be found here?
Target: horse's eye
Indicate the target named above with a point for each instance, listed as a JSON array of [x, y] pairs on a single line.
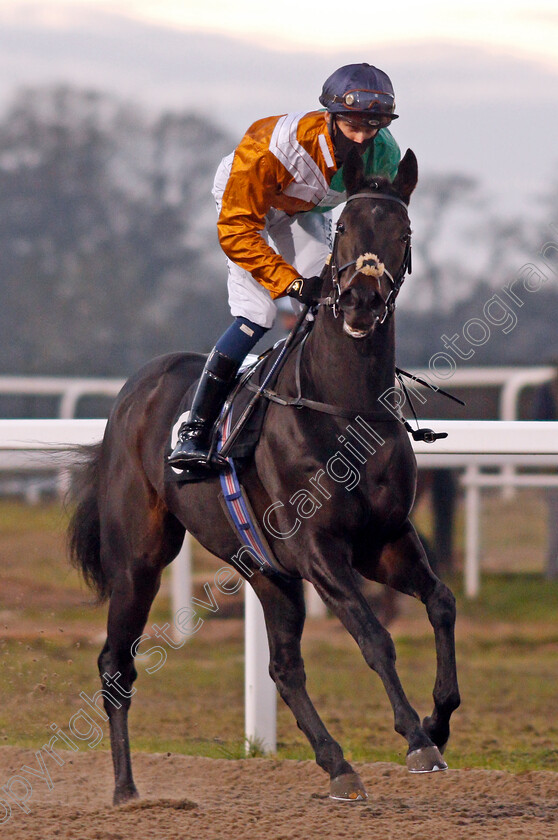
[[340, 227]]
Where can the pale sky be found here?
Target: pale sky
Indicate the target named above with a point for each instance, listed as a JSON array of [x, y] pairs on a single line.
[[514, 26]]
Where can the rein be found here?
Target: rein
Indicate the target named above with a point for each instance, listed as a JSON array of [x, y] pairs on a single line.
[[368, 264], [380, 416]]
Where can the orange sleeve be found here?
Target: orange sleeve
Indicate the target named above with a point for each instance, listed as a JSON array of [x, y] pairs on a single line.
[[254, 182]]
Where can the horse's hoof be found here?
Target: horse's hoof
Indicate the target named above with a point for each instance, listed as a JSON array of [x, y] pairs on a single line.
[[347, 788], [425, 760], [125, 795]]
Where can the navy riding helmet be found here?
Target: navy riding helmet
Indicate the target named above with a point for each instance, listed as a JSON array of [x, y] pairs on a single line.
[[359, 88]]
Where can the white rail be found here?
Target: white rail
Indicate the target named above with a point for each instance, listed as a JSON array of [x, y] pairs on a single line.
[[465, 437], [69, 389], [471, 445], [42, 436], [510, 380]]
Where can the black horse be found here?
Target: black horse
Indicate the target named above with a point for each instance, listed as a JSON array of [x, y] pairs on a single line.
[[129, 523]]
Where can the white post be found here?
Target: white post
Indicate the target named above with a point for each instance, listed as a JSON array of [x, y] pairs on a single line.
[[260, 694], [508, 491], [181, 581], [32, 494], [68, 404], [472, 531], [315, 607]]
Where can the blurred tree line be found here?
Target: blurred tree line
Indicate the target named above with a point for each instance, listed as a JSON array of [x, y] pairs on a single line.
[[108, 247], [109, 253], [466, 254]]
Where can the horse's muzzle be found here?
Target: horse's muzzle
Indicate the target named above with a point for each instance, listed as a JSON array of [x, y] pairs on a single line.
[[354, 333], [362, 307]]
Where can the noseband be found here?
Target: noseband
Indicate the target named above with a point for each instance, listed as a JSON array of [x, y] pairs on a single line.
[[336, 271]]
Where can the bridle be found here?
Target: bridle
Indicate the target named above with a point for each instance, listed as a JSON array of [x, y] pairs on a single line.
[[336, 270]]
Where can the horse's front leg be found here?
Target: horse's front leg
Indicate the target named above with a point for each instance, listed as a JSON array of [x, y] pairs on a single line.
[[404, 566], [283, 605], [333, 576]]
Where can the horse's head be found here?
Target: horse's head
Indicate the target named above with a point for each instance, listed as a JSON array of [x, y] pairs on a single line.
[[372, 246]]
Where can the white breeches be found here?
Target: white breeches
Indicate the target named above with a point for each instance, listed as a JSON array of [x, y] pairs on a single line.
[[303, 240]]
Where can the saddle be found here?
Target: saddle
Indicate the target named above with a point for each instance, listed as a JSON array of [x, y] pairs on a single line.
[[249, 379]]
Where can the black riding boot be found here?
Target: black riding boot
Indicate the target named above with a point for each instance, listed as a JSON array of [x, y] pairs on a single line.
[[194, 436]]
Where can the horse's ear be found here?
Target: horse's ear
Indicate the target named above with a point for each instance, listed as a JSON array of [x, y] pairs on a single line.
[[353, 172], [407, 175]]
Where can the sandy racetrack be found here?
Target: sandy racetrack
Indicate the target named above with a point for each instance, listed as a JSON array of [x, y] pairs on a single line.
[[189, 797]]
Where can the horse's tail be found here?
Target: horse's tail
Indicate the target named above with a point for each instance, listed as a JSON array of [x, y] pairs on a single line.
[[84, 529]]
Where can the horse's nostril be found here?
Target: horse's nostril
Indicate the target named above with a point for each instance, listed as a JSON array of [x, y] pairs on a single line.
[[350, 299], [361, 300]]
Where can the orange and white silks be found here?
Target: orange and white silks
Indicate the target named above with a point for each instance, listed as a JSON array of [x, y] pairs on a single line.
[[283, 163]]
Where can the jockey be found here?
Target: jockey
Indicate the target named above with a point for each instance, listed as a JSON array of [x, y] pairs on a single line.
[[279, 186]]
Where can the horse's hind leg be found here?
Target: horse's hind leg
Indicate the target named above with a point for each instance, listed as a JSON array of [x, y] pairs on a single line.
[[404, 566], [134, 556], [283, 604]]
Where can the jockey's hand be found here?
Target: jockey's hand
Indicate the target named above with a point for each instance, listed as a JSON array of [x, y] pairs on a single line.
[[307, 290]]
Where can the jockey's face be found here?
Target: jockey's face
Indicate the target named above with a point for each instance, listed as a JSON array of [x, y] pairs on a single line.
[[354, 128], [358, 131]]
